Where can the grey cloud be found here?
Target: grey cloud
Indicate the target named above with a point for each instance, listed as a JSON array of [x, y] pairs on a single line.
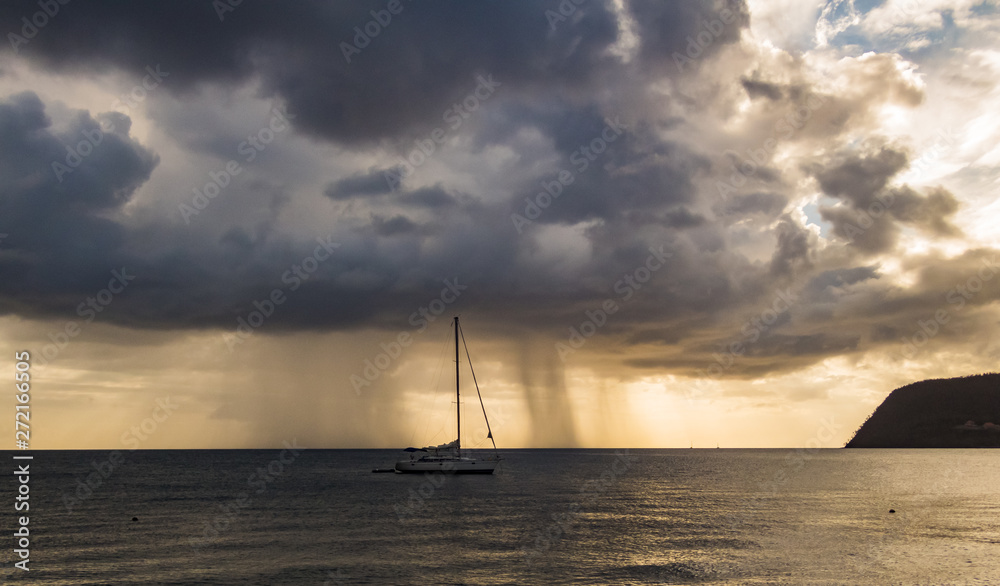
[[792, 252], [667, 28], [54, 191], [861, 231], [858, 179], [428, 197], [803, 345], [371, 183], [393, 226], [765, 203], [756, 89], [821, 285], [656, 336], [559, 86], [295, 51], [929, 212], [873, 208], [682, 218], [637, 172]]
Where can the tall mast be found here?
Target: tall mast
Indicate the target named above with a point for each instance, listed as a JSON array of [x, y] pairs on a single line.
[[458, 396]]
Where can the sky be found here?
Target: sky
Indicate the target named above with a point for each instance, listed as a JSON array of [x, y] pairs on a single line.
[[692, 223]]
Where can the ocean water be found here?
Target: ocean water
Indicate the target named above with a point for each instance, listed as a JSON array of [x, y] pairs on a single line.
[[547, 517]]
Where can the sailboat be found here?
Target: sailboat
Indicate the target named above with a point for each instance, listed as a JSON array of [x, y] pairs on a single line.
[[447, 458]]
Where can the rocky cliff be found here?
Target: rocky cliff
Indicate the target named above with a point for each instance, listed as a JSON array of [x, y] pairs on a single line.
[[938, 413]]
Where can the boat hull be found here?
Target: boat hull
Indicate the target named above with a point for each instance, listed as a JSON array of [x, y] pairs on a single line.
[[446, 467]]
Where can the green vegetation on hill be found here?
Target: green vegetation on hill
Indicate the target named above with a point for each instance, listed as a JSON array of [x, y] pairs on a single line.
[[939, 413]]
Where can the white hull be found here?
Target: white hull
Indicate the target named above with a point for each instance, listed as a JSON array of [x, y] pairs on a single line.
[[446, 466]]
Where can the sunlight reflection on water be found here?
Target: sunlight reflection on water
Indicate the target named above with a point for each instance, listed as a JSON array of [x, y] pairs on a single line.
[[549, 517]]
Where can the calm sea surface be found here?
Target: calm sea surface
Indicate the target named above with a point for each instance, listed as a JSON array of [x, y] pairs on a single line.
[[548, 517]]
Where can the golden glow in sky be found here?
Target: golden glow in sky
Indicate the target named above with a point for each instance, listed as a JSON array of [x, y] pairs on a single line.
[[661, 227]]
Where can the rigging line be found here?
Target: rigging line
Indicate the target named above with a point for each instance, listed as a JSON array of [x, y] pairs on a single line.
[[437, 394], [469, 357]]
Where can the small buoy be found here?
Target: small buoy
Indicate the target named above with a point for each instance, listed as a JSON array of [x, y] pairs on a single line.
[[135, 518], [892, 510]]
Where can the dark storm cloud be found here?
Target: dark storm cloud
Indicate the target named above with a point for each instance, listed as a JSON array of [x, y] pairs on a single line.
[[55, 186], [428, 197], [560, 87], [669, 28], [657, 336], [568, 125], [392, 226], [398, 84], [90, 165], [614, 172], [435, 199], [371, 183], [803, 345], [825, 283], [793, 249], [681, 218], [765, 203], [402, 82]]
